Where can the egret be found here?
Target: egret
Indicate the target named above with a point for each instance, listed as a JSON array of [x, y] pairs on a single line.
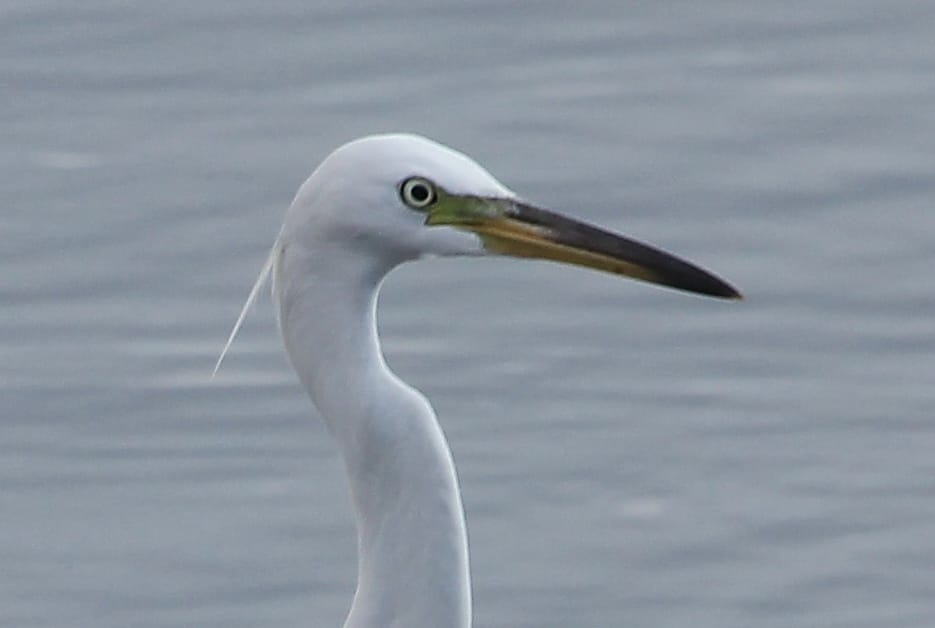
[[371, 205]]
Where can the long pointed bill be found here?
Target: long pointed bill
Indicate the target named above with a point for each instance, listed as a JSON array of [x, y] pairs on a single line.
[[512, 228]]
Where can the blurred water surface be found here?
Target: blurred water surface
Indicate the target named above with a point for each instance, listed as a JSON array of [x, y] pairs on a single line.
[[629, 456]]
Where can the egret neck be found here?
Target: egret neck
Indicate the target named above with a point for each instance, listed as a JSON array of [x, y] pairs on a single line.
[[412, 542]]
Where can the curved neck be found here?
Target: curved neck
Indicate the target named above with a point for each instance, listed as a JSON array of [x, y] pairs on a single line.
[[412, 544]]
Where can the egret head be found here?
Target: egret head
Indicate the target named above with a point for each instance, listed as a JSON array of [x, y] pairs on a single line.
[[385, 199], [375, 196], [400, 197]]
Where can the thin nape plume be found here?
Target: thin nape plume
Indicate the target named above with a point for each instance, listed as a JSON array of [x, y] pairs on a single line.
[[251, 299]]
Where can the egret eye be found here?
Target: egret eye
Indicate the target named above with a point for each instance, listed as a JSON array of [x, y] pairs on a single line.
[[417, 193]]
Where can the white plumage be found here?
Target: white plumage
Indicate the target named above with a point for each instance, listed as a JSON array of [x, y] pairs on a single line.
[[371, 205]]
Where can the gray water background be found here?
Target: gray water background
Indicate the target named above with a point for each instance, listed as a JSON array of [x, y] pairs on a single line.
[[629, 456]]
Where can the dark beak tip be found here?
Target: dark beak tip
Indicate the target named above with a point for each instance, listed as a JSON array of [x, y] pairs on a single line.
[[709, 286], [727, 292], [731, 293], [702, 283], [633, 258]]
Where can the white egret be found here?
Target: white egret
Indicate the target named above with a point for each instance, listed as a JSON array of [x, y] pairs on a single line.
[[371, 205]]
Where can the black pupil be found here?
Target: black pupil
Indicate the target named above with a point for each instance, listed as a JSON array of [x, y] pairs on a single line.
[[419, 193]]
